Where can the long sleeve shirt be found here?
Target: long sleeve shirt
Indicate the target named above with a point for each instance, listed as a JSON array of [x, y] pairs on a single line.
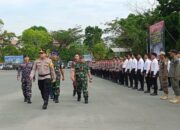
[[129, 65], [134, 64], [125, 64], [147, 66], [140, 64], [154, 66]]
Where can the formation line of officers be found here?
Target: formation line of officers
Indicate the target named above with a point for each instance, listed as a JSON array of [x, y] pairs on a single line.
[[134, 71], [50, 74]]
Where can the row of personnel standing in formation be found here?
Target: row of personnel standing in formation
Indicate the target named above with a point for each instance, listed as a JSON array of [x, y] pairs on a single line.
[[134, 69], [50, 74]]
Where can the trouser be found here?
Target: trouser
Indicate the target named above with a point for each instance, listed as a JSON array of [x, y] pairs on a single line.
[[120, 77], [123, 75], [126, 75], [148, 80], [154, 81], [134, 78], [82, 86], [44, 88], [56, 88], [74, 86], [140, 78], [169, 81], [164, 83], [175, 86], [26, 89]]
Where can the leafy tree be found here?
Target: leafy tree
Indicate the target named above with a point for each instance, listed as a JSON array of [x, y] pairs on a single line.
[[36, 37], [66, 37], [1, 24], [93, 35], [99, 51]]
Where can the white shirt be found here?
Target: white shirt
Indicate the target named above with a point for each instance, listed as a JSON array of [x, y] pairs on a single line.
[[147, 65], [129, 65], [134, 64], [168, 66], [154, 66], [140, 64], [125, 63]]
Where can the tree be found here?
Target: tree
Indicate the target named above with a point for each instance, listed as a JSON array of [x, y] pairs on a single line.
[[36, 37], [99, 51], [93, 35], [1, 24], [39, 28], [66, 37]]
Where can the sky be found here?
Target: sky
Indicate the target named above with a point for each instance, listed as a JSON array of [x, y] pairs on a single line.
[[19, 15]]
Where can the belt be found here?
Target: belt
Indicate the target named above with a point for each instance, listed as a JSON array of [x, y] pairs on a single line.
[[44, 75]]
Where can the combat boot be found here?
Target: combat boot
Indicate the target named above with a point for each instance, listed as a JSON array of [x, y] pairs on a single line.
[[29, 101], [44, 107], [79, 97], [86, 100], [56, 99], [175, 100], [164, 97], [74, 93]]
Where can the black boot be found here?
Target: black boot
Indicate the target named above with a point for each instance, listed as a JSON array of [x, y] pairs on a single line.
[[86, 100], [154, 94], [74, 93], [44, 107], [29, 101], [79, 97], [56, 99]]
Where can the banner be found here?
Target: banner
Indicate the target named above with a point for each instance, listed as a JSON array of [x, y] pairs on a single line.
[[88, 57], [13, 59], [157, 37]]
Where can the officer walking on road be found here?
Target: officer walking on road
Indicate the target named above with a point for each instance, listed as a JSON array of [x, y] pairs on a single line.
[[80, 74], [59, 72], [24, 70], [45, 69]]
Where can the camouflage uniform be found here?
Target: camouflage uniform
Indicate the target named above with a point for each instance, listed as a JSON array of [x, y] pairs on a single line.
[[56, 85], [24, 70], [163, 76], [81, 71]]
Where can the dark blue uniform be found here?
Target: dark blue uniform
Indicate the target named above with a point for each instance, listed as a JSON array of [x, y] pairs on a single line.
[[24, 70]]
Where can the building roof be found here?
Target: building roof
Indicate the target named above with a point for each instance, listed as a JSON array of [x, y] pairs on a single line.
[[117, 50]]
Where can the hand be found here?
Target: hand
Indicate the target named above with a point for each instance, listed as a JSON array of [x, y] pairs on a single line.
[[63, 78], [54, 80], [31, 77]]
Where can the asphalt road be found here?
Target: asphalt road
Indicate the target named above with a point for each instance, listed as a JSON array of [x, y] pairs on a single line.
[[111, 107]]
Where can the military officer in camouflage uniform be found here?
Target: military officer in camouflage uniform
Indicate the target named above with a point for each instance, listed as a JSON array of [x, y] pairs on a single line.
[[59, 71], [174, 74], [80, 74], [45, 69], [24, 70], [163, 75]]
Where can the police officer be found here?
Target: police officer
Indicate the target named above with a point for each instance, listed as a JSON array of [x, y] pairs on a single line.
[[140, 75], [154, 73], [45, 69], [80, 74], [147, 66], [59, 72], [24, 70]]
